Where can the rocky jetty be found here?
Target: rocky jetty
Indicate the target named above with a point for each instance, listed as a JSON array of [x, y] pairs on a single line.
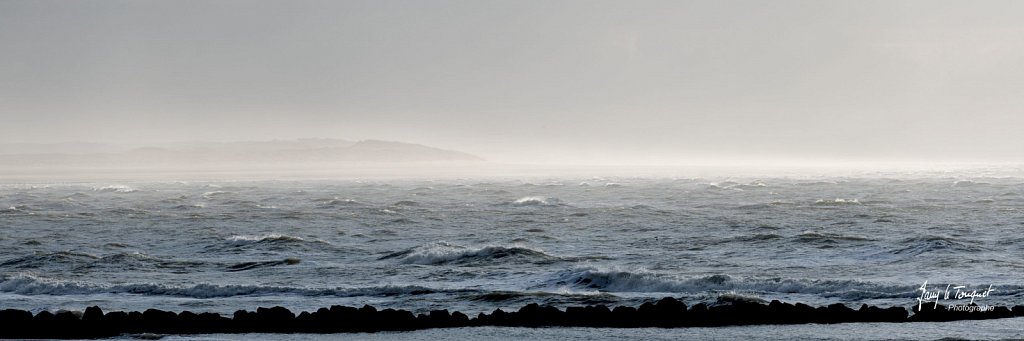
[[666, 313]]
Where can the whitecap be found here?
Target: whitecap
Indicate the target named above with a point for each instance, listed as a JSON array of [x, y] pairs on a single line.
[[536, 201], [114, 189]]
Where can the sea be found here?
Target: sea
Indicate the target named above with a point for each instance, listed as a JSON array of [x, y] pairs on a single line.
[[479, 243]]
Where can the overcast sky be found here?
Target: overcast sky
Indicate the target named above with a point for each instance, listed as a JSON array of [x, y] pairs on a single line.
[[527, 81]]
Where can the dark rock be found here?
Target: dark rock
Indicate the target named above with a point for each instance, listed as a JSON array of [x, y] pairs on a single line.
[[875, 314], [667, 312], [534, 315], [43, 316], [274, 320], [839, 313], [497, 318], [92, 314], [625, 317], [739, 312], [399, 320], [1001, 312], [459, 319], [439, 319], [12, 316], [698, 315], [16, 323]]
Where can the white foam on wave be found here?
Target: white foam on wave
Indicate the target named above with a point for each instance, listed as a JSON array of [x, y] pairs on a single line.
[[114, 189], [837, 202], [336, 201], [212, 194], [536, 201], [250, 239], [736, 186]]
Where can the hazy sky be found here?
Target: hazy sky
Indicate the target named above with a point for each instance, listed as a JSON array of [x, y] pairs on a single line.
[[527, 81]]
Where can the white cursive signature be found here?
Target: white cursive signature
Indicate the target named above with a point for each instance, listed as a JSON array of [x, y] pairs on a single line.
[[959, 294]]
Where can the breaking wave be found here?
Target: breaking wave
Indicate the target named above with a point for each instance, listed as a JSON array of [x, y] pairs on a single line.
[[537, 201], [25, 284], [649, 282], [214, 194], [445, 253], [336, 202], [266, 238], [273, 241]]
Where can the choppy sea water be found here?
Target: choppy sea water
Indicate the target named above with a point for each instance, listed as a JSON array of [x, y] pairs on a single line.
[[478, 244]]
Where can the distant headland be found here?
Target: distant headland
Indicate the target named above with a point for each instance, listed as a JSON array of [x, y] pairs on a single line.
[[203, 156]]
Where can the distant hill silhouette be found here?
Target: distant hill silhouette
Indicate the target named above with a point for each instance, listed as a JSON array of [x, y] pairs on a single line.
[[253, 154]]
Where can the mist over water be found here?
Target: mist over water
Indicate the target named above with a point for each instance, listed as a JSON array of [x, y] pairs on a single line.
[[570, 82]]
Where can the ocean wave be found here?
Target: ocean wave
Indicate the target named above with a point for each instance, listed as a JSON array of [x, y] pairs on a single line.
[[445, 253], [769, 205], [213, 194], [836, 202], [923, 244], [717, 186], [271, 238], [752, 185], [18, 209], [760, 237], [77, 261], [126, 211], [537, 201], [76, 196], [642, 281], [244, 266], [185, 207], [138, 260], [559, 298], [968, 183], [114, 189], [27, 284], [335, 202], [271, 242], [50, 259], [736, 186], [175, 200], [816, 183], [816, 237]]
